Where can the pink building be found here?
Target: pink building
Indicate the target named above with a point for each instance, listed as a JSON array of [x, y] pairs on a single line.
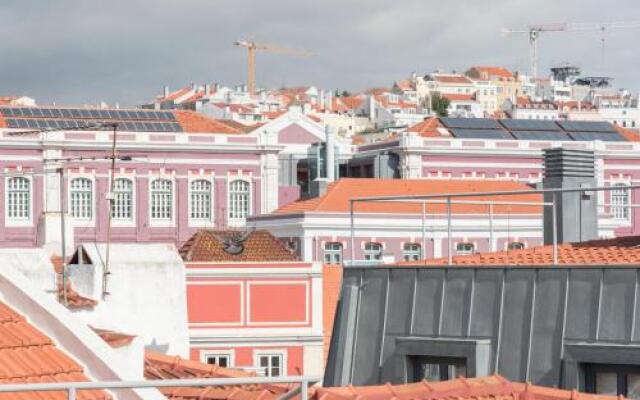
[[185, 171], [252, 304]]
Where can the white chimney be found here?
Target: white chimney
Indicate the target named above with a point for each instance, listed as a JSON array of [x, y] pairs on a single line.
[[166, 91]]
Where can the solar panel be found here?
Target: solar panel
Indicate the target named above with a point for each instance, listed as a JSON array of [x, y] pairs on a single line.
[[470, 123], [586, 126], [480, 134], [540, 135], [604, 136], [529, 125], [7, 112]]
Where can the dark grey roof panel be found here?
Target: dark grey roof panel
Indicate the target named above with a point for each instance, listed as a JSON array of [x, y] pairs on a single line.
[[470, 123], [529, 125], [586, 126], [604, 136], [540, 135], [480, 133], [529, 315]]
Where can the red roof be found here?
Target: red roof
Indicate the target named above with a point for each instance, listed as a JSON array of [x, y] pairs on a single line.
[[160, 366], [258, 245], [427, 128], [340, 192], [492, 387], [617, 251], [404, 84], [113, 338], [459, 96], [178, 93], [452, 79], [629, 134], [29, 356], [498, 72], [193, 122]]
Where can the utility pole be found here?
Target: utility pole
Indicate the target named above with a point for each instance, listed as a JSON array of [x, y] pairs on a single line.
[[110, 199], [63, 239]]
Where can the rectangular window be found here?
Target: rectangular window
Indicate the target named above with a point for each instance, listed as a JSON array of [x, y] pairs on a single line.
[[18, 198], [372, 251], [221, 360], [122, 202], [412, 252], [200, 200], [81, 198], [271, 364], [613, 380], [161, 199], [436, 369], [333, 253]]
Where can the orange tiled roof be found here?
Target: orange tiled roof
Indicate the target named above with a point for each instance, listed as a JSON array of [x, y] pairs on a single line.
[[617, 251], [113, 338], [338, 194], [452, 79], [351, 102], [494, 71], [160, 366], [492, 387], [331, 284], [176, 94], [193, 122], [29, 356], [260, 245], [427, 128], [459, 96], [629, 134]]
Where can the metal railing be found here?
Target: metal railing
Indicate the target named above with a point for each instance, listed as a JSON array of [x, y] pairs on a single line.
[[72, 388], [434, 198]]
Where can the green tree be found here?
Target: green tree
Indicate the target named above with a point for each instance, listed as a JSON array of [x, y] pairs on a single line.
[[440, 105]]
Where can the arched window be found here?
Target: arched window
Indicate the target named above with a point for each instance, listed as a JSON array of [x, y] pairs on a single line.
[[333, 253], [372, 251], [81, 198], [515, 246], [200, 205], [122, 199], [239, 199], [465, 248], [161, 199], [18, 198], [412, 252], [619, 202]]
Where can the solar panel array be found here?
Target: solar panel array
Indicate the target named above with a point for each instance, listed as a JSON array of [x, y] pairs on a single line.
[[480, 134], [79, 118], [528, 129]]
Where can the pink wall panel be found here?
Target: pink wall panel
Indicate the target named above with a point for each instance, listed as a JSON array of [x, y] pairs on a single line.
[[214, 303], [277, 302]]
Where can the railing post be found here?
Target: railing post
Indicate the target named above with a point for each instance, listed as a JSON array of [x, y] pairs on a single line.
[[423, 253], [71, 394], [449, 241], [492, 245], [555, 228], [352, 231], [303, 389]]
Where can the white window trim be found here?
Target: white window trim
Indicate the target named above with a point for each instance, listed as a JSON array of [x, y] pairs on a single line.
[[123, 222], [238, 221], [620, 183], [12, 221], [271, 352], [159, 223], [82, 221], [204, 354], [202, 222]]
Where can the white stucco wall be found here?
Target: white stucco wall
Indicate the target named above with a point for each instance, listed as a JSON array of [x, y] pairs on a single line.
[[147, 294]]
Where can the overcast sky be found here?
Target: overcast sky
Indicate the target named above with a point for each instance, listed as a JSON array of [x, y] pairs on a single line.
[[85, 51]]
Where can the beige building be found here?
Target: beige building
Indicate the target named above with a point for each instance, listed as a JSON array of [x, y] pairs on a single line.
[[507, 84]]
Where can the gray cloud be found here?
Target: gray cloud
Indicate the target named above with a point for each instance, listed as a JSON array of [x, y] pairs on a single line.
[[84, 51]]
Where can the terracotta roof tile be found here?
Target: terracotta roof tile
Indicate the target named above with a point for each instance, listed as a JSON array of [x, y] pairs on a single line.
[[259, 245], [459, 96], [629, 134], [160, 366], [27, 355], [617, 251], [178, 93], [338, 194], [193, 122], [492, 387], [499, 72], [427, 128], [461, 79], [113, 338]]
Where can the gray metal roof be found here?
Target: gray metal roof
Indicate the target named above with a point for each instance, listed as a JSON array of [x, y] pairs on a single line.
[[539, 321]]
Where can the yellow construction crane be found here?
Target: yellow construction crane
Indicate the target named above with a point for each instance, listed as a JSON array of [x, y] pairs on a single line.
[[252, 47], [534, 31]]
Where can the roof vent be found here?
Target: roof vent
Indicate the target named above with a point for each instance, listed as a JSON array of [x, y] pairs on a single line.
[[234, 244]]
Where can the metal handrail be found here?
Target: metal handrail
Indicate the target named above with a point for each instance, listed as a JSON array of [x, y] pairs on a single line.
[[447, 200], [73, 387]]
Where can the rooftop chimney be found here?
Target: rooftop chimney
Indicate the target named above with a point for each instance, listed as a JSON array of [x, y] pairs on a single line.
[[576, 212], [166, 91]]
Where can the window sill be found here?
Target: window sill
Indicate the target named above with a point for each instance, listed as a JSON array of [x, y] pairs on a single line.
[[18, 223]]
